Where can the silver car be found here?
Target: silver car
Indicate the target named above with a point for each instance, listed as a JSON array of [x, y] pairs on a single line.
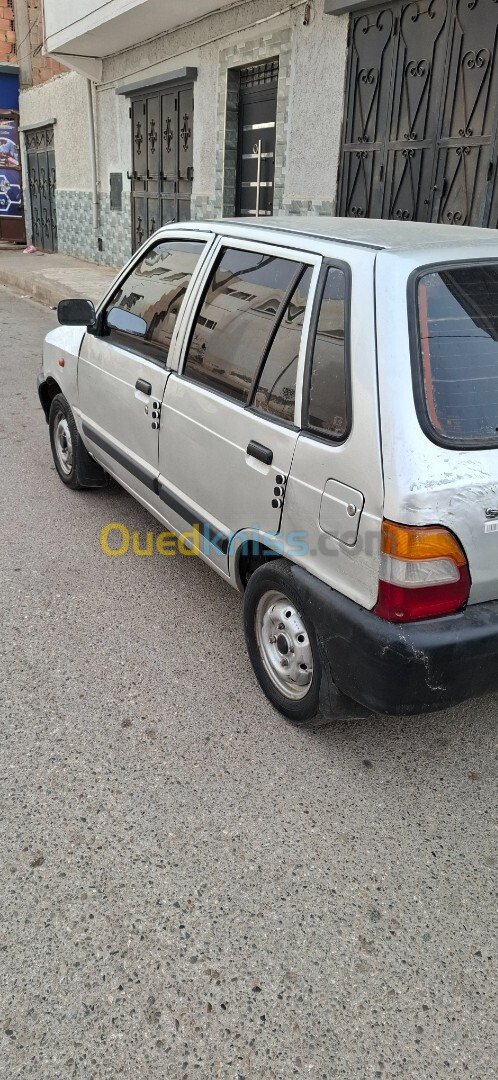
[[312, 405]]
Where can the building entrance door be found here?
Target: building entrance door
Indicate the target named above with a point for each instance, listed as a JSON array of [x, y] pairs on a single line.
[[42, 186], [256, 143], [162, 154]]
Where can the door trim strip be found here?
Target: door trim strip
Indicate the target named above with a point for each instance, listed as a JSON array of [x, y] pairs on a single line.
[[180, 507], [158, 486], [149, 479]]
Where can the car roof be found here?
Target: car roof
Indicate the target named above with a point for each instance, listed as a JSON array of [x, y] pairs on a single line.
[[364, 232]]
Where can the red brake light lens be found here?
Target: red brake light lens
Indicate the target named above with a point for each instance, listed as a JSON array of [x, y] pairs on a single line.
[[424, 573]]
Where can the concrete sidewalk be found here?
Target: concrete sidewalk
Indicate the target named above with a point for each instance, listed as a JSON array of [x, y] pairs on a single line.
[[49, 278]]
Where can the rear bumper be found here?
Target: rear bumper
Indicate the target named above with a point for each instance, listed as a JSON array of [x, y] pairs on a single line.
[[403, 668]]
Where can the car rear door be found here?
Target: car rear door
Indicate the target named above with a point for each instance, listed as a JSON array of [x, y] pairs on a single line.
[[229, 427], [335, 489]]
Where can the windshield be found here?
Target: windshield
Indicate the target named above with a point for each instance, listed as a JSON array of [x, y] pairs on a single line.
[[457, 311]]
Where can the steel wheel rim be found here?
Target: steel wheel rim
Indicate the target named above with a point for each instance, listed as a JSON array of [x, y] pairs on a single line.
[[63, 444], [284, 645]]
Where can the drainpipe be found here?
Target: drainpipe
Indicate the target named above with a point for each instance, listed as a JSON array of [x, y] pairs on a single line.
[[93, 156]]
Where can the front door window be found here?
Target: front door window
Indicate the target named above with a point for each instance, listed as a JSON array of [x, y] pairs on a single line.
[[153, 292]]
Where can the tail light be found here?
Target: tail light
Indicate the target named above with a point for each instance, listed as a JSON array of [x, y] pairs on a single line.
[[423, 573]]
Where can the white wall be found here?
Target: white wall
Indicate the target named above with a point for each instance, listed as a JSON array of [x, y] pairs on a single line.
[[95, 29], [64, 16], [65, 99], [316, 106]]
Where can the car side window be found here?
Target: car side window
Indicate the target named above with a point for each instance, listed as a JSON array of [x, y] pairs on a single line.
[[245, 293], [276, 389], [327, 403], [142, 314]]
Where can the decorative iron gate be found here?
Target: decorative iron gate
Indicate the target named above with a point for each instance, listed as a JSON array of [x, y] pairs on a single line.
[[256, 142], [421, 113], [42, 184], [162, 131]]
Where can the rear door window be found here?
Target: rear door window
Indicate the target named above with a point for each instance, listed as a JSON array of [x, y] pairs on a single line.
[[457, 362], [244, 299], [276, 389], [327, 410]]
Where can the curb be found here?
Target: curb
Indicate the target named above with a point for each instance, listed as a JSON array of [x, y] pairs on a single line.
[[45, 292], [36, 285]]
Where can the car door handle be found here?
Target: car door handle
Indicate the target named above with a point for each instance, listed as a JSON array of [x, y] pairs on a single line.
[[262, 453], [143, 386]]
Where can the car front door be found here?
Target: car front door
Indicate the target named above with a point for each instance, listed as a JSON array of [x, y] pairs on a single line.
[[228, 427], [123, 367]]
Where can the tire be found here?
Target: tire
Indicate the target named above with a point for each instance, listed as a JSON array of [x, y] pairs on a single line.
[[282, 646], [71, 459]]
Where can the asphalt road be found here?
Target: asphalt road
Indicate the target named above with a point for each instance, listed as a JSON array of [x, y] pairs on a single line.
[[190, 887]]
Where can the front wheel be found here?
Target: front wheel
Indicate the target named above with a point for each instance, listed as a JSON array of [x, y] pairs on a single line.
[[282, 645], [73, 463]]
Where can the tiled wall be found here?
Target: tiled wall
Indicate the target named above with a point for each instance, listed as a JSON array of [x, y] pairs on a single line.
[[115, 230], [203, 207], [308, 208], [76, 233]]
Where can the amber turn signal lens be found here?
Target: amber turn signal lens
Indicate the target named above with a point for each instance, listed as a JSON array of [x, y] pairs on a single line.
[[420, 542]]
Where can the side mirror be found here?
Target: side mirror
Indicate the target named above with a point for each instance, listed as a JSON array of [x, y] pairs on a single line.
[[76, 313], [120, 319]]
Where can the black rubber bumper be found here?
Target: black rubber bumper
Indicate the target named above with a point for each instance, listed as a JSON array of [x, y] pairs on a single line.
[[403, 668]]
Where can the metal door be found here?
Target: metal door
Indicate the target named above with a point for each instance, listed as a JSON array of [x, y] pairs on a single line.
[[42, 185], [417, 77], [421, 117], [162, 148], [256, 143], [466, 161], [367, 109]]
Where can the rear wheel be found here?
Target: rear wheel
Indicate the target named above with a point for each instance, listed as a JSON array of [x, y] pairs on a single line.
[[282, 645]]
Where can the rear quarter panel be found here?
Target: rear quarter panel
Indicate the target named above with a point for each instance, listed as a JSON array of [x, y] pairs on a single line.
[[428, 484]]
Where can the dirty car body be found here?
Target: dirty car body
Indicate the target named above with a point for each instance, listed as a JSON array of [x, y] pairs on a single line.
[[325, 395]]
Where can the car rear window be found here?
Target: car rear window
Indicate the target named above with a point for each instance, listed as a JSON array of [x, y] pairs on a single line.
[[458, 347]]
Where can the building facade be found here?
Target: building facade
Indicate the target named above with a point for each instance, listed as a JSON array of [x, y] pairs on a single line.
[[171, 111]]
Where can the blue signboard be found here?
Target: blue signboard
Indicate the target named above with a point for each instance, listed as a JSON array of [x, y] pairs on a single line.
[[9, 87], [10, 170]]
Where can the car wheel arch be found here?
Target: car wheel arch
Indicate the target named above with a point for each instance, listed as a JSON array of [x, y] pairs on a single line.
[[247, 558], [47, 390]]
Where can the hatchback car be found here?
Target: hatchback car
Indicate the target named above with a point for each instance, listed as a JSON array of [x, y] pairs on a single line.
[[315, 402]]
